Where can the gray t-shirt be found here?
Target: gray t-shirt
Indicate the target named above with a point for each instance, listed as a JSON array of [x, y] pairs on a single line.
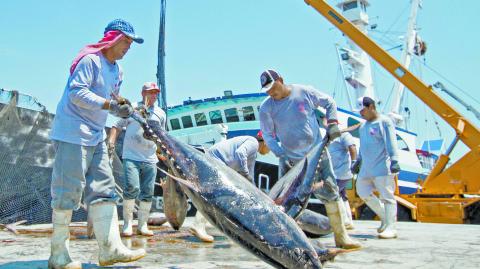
[[340, 156], [135, 146], [292, 121], [239, 153], [378, 145]]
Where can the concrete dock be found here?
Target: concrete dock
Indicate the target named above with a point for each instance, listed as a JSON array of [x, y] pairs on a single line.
[[420, 245]]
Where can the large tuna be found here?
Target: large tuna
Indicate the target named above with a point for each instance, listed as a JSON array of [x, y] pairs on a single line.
[[293, 190], [240, 210], [175, 204]]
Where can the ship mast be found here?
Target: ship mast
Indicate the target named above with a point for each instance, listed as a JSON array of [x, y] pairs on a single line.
[[358, 71], [411, 46], [162, 101]]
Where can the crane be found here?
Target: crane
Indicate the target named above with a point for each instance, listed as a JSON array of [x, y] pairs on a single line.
[[448, 195]]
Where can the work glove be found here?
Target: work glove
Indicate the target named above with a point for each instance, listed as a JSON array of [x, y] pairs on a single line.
[[288, 164], [122, 108], [394, 167], [147, 134], [355, 167], [111, 149], [333, 131]]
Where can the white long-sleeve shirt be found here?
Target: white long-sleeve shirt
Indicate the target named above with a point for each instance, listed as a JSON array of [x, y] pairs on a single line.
[[79, 118], [239, 153], [378, 146]]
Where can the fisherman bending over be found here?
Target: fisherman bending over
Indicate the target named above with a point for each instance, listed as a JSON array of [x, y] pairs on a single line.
[[81, 161], [238, 153], [289, 113]]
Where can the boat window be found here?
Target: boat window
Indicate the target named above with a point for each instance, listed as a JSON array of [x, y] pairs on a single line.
[[187, 121], [352, 122], [402, 144], [348, 6], [215, 116], [248, 114], [231, 115], [201, 119], [175, 124]]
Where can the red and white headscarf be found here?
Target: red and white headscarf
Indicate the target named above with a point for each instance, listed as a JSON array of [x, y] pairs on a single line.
[[108, 40]]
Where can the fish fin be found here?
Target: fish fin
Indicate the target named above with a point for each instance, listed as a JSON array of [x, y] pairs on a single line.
[[182, 181]]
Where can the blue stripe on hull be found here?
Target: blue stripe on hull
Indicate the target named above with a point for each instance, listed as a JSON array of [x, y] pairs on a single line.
[[236, 133], [407, 190], [407, 179]]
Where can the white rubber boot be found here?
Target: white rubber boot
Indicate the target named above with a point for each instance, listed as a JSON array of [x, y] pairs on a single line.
[[198, 228], [59, 256], [348, 216], [143, 214], [377, 206], [105, 225], [390, 231], [128, 206], [342, 239]]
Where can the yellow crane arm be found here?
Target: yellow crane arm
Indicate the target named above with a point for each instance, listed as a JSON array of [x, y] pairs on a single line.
[[466, 131]]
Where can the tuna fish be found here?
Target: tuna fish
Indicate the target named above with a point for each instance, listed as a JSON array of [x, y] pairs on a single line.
[[175, 204], [294, 189], [242, 211], [314, 223]]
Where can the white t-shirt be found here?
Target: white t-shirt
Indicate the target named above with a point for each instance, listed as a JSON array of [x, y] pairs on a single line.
[[340, 155], [135, 146]]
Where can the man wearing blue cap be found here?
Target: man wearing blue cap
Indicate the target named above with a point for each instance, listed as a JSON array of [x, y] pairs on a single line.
[[81, 161], [288, 114], [379, 164]]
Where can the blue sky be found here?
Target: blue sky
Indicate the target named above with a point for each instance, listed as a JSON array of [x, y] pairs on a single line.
[[217, 45]]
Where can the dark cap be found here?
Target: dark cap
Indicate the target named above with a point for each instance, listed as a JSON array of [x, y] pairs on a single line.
[[267, 78], [125, 27], [365, 102]]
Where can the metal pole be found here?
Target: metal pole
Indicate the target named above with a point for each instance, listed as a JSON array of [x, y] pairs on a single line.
[[162, 101]]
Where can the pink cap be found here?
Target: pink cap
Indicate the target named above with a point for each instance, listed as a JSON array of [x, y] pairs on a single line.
[[150, 86]]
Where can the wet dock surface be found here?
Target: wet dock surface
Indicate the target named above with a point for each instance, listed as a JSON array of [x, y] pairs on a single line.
[[420, 245]]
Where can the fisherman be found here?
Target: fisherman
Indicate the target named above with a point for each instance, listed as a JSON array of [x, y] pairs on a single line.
[[238, 153], [377, 165], [342, 151], [81, 161], [139, 160], [289, 113]]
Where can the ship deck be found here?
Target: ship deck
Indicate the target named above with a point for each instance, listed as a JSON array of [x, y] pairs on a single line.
[[420, 245]]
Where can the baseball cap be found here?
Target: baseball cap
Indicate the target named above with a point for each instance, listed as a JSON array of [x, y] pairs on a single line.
[[125, 27], [365, 102], [150, 86], [267, 78], [260, 136]]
